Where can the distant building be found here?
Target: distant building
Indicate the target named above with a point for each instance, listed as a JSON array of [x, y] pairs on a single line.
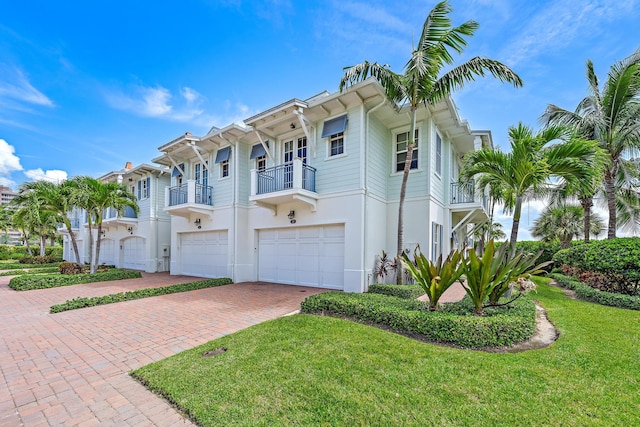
[[6, 194]]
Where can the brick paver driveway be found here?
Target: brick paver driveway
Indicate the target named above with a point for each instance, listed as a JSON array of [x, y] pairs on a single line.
[[71, 368]]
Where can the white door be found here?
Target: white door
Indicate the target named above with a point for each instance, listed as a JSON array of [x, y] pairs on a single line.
[[308, 256], [108, 252], [204, 253], [133, 253]]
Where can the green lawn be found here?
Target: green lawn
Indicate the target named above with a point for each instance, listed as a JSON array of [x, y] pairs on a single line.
[[312, 370]]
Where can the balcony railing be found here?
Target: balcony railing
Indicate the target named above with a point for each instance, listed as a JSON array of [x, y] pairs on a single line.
[[112, 213], [463, 193], [191, 192], [295, 175], [75, 223]]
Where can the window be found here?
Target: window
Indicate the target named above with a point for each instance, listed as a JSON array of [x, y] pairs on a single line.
[[176, 174], [261, 163], [436, 239], [260, 155], [143, 188], [295, 149], [222, 158], [402, 140], [201, 174], [336, 144], [438, 154]]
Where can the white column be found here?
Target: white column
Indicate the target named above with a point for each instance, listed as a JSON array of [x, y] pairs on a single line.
[[191, 191], [297, 173], [254, 182]]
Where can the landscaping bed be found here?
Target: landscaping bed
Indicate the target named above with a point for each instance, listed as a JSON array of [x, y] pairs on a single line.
[[454, 324], [83, 302], [20, 266], [317, 370], [40, 270], [587, 293], [43, 281]]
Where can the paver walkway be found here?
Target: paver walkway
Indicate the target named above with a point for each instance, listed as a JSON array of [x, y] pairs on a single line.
[[71, 368]]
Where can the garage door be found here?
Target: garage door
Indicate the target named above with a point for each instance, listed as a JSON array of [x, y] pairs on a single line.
[[133, 253], [108, 252], [204, 254], [69, 254], [308, 256]]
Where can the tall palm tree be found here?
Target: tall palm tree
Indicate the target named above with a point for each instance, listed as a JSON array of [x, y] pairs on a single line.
[[611, 116], [95, 196], [564, 222], [31, 212], [422, 81], [5, 221], [526, 171]]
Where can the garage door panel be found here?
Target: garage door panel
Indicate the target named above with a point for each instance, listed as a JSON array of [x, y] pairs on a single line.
[[204, 254], [107, 252], [311, 256], [133, 253]]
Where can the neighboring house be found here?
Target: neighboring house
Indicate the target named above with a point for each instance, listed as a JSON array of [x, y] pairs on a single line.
[[6, 195], [138, 242], [307, 192]]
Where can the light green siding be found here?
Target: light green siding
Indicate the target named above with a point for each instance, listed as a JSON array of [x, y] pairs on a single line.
[[417, 182], [222, 187], [379, 159], [244, 175]]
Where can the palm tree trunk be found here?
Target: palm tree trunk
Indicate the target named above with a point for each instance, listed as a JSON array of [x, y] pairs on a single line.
[[91, 257], [610, 188], [403, 193], [94, 266], [587, 203], [516, 224], [73, 240], [43, 243]]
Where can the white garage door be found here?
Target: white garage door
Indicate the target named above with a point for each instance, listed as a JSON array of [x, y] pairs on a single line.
[[108, 252], [204, 254], [69, 254], [133, 253], [308, 256]]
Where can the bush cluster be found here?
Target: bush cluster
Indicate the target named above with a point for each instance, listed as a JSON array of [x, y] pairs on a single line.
[[44, 281], [400, 291], [18, 252], [587, 293], [47, 259], [137, 294], [611, 265], [501, 326], [71, 268]]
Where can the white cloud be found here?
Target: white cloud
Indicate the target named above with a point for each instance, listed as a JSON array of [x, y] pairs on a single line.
[[53, 175], [16, 86], [9, 162]]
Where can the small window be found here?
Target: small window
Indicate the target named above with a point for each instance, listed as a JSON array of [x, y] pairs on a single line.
[[222, 158], [261, 163], [402, 140], [336, 144], [438, 154], [143, 188], [436, 239], [201, 173], [224, 169]]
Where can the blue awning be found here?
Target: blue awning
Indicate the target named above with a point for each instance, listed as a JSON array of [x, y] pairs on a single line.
[[223, 154], [258, 151], [334, 126], [176, 171]]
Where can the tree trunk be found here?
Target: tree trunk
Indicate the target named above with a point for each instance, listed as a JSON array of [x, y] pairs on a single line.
[[403, 192], [94, 266], [516, 223], [72, 236], [26, 242], [91, 255], [587, 203], [610, 187], [43, 243]]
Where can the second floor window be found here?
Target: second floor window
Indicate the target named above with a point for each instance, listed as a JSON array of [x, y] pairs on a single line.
[[259, 154], [336, 144], [143, 188], [261, 163], [295, 148], [401, 142], [201, 174], [224, 169], [222, 159], [334, 130]]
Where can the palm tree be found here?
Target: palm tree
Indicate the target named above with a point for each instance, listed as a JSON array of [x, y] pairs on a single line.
[[31, 212], [5, 221], [422, 81], [611, 116], [563, 223], [95, 196], [526, 171]]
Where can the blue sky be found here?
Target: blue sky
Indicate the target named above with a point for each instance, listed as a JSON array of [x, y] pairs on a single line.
[[88, 86]]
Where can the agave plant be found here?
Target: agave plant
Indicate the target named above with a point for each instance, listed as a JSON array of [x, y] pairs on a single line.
[[489, 276], [434, 278]]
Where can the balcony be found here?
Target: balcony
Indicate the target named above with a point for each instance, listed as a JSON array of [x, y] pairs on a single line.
[[192, 197], [75, 224], [284, 183], [467, 206], [111, 217]]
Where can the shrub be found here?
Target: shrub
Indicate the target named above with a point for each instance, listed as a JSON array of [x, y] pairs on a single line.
[[610, 282], [499, 327], [17, 266], [400, 291], [28, 282], [71, 268], [18, 272], [137, 294], [587, 293], [47, 259], [546, 250]]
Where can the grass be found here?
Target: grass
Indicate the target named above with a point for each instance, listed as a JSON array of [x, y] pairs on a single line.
[[313, 370], [42, 270]]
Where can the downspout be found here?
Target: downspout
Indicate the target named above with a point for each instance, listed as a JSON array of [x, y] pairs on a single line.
[[365, 149]]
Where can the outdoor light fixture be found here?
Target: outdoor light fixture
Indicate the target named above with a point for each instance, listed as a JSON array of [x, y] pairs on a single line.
[[130, 230], [103, 233], [292, 215], [292, 125], [130, 179], [197, 222]]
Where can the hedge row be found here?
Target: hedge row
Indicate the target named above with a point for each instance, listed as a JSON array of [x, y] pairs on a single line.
[[28, 282], [587, 293], [19, 266], [137, 294], [17, 252], [502, 326], [17, 272], [400, 291]]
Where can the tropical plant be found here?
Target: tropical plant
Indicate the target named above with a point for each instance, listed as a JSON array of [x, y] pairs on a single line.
[[526, 172], [564, 223], [423, 83], [489, 277], [434, 278], [489, 230], [611, 116], [94, 196], [31, 213], [5, 220]]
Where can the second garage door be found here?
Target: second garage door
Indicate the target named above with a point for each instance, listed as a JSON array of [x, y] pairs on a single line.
[[108, 252], [308, 256], [204, 253], [133, 253]]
